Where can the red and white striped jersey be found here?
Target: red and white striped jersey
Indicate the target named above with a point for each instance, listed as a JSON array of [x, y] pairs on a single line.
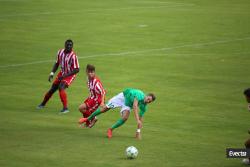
[[68, 62], [96, 89]]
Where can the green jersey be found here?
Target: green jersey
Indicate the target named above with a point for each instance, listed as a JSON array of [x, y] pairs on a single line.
[[131, 94]]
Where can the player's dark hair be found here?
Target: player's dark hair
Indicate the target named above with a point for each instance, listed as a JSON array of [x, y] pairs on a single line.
[[152, 95], [90, 68], [68, 40], [247, 92]]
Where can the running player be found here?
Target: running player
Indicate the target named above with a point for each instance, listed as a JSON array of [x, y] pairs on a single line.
[[128, 99], [67, 60], [96, 96]]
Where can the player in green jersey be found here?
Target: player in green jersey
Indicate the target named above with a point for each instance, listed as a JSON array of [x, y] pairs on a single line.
[[128, 99]]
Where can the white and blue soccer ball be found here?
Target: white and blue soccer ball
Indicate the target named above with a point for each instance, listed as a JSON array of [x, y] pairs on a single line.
[[131, 152]]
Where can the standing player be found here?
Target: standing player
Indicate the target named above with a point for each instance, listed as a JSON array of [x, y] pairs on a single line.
[[96, 96], [67, 60], [128, 99]]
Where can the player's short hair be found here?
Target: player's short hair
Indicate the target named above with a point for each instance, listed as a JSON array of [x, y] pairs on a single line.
[[90, 68], [68, 40], [152, 95], [247, 92]]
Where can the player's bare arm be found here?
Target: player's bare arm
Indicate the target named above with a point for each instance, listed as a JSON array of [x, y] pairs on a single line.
[[137, 118], [54, 69], [138, 132]]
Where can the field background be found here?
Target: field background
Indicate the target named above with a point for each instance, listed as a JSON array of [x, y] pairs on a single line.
[[194, 54]]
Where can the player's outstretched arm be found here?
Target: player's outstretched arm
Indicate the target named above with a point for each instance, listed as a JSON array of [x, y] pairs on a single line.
[[54, 69], [138, 131], [137, 118]]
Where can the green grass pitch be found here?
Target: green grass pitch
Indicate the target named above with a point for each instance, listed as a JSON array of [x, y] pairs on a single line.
[[194, 54]]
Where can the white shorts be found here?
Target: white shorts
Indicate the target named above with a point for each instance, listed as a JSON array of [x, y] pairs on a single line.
[[118, 101]]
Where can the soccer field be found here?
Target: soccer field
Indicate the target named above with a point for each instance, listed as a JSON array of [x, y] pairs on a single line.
[[193, 54]]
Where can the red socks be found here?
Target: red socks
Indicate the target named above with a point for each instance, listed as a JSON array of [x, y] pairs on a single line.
[[63, 97]]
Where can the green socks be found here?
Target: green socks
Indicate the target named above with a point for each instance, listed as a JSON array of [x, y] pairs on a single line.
[[118, 123], [97, 112]]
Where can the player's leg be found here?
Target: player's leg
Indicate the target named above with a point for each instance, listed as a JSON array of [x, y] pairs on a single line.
[[84, 109], [87, 108], [94, 114], [48, 95], [114, 102], [63, 96], [125, 112], [247, 95]]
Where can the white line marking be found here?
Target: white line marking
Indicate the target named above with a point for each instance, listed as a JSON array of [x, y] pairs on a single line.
[[133, 52], [93, 10], [142, 25], [162, 2]]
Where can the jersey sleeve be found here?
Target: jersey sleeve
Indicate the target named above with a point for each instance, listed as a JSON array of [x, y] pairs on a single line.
[[143, 109], [75, 62]]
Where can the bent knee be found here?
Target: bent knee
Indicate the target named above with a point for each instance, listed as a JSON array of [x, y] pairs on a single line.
[[82, 108], [125, 119], [125, 115]]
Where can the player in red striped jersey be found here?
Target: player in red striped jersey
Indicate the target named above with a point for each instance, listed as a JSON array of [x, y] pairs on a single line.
[[67, 60], [96, 96]]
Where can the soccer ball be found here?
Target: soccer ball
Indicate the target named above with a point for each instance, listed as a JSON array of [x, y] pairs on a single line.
[[131, 152]]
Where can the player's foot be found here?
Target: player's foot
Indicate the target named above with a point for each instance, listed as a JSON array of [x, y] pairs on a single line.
[[246, 161], [40, 106], [82, 120], [109, 133], [92, 123], [64, 111]]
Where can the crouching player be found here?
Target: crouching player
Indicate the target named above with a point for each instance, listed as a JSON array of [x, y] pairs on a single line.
[[96, 96], [128, 99]]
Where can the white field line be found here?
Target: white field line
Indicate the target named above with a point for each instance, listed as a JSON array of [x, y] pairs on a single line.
[[93, 10], [134, 52], [166, 2]]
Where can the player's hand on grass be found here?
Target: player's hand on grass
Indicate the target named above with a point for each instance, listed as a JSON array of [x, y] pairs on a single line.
[[138, 135], [139, 124]]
